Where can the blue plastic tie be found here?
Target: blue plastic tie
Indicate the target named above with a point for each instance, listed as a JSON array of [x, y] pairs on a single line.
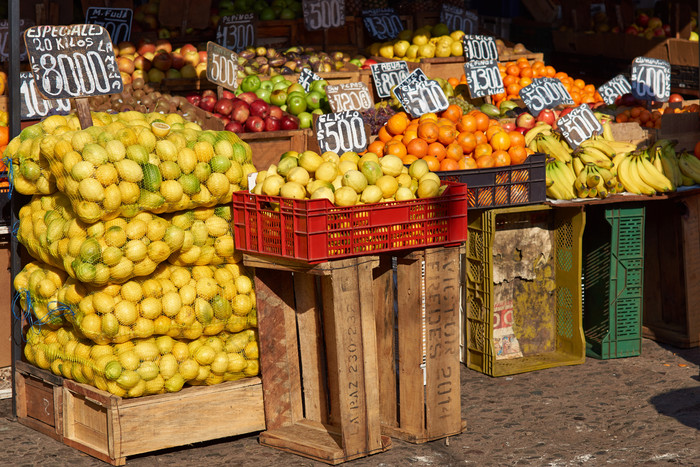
[[10, 177]]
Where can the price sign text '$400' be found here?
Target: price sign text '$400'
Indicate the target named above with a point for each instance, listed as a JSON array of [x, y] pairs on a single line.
[[341, 132], [73, 61]]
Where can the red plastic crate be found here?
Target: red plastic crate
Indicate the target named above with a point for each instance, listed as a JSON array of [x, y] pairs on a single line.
[[315, 230]]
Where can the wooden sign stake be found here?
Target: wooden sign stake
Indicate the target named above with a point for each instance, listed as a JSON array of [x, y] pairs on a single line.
[[83, 107], [219, 92]]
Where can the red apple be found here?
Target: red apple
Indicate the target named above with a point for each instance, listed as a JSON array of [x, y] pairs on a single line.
[[208, 92], [223, 106], [234, 126], [667, 30], [508, 126], [632, 29], [193, 98], [272, 124], [202, 56], [289, 122], [659, 32], [126, 48], [276, 112], [240, 112], [145, 47], [187, 48], [228, 94], [260, 108], [163, 61], [547, 116], [225, 120], [162, 44], [207, 103], [525, 120], [642, 20], [142, 63], [565, 111], [248, 97], [655, 23], [255, 124], [178, 60], [125, 65], [522, 130]]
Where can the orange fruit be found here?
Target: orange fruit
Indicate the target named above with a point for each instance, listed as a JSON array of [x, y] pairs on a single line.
[[551, 72], [467, 123], [408, 136], [467, 163], [510, 79], [500, 141], [485, 161], [482, 121], [467, 141], [417, 147], [513, 88], [454, 82], [481, 150], [501, 158], [433, 163], [493, 129], [447, 134], [453, 112], [429, 131], [517, 154], [449, 164], [377, 147], [579, 83], [480, 137], [621, 118], [397, 124], [454, 151], [395, 148], [525, 81], [516, 138], [438, 150], [526, 72], [428, 116], [408, 159], [513, 70], [384, 134]]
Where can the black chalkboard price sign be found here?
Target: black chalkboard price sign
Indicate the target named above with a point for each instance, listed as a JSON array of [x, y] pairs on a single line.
[[222, 66], [4, 39], [72, 61], [579, 125], [236, 32], [479, 47], [306, 77], [117, 21], [341, 132], [349, 96], [651, 79], [459, 19], [323, 14], [544, 93], [419, 96], [616, 87], [483, 78], [33, 106], [382, 23], [387, 75]]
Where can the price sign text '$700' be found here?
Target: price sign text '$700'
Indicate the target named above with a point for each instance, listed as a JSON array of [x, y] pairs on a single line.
[[341, 132], [73, 61]]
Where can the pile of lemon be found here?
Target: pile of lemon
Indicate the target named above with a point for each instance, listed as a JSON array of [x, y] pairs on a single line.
[[425, 42]]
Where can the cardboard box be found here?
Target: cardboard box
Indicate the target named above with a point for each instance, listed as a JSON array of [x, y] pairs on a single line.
[[683, 52], [684, 127]]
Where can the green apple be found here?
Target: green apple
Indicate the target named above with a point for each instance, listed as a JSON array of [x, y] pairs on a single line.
[[319, 85], [267, 84], [305, 120], [278, 97], [263, 94], [296, 104], [296, 87], [250, 83]]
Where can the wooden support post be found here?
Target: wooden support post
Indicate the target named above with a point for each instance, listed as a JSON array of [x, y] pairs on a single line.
[[83, 108]]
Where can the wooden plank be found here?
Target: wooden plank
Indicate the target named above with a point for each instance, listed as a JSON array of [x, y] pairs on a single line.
[[351, 368], [410, 336], [671, 267], [369, 349], [383, 288], [332, 362], [443, 403], [38, 400], [279, 355], [311, 348], [303, 438], [690, 226]]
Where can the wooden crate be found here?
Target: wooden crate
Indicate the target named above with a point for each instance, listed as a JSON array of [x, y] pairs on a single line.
[[39, 399], [346, 38], [321, 395], [268, 146], [111, 428], [427, 405], [672, 271], [282, 32]]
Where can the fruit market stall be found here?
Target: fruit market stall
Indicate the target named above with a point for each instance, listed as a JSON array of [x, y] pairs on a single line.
[[311, 238]]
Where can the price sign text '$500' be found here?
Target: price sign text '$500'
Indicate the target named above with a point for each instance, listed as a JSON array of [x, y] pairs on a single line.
[[324, 14], [341, 132], [425, 97]]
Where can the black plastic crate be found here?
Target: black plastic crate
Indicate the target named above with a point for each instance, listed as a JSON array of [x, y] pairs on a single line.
[[499, 187]]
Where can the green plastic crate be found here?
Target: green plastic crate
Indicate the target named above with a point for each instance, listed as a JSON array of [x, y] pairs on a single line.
[[551, 307], [613, 281]]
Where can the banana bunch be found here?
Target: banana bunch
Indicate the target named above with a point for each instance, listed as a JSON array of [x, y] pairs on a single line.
[[532, 134], [663, 154], [640, 175], [594, 181], [689, 167], [554, 146], [560, 180]]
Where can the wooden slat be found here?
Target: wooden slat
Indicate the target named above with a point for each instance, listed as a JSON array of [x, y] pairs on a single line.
[[38, 400], [331, 351], [305, 439], [348, 339], [691, 261], [410, 336], [383, 288], [311, 348], [443, 404], [279, 354], [369, 351]]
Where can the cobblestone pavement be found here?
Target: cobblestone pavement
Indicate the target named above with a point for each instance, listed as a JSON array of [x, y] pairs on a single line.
[[635, 411]]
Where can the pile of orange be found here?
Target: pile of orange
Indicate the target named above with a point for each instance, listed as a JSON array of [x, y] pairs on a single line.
[[641, 115], [518, 74], [450, 141]]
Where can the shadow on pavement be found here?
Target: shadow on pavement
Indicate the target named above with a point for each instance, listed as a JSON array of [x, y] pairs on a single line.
[[681, 404], [690, 355]]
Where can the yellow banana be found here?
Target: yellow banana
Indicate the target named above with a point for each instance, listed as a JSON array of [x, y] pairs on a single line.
[[601, 145], [690, 166], [554, 148], [618, 159], [644, 187], [599, 160], [670, 169], [607, 131], [629, 177], [651, 176], [577, 165], [622, 146], [602, 191], [536, 130], [605, 173], [594, 151]]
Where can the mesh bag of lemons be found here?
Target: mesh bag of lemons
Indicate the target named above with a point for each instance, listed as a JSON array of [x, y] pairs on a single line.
[[178, 301], [347, 179], [117, 250], [37, 287], [130, 163], [143, 367]]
